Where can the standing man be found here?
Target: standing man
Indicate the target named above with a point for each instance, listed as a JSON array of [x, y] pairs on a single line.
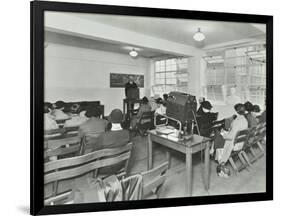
[[130, 85]]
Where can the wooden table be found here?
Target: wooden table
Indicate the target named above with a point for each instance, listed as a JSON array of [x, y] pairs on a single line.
[[188, 147]]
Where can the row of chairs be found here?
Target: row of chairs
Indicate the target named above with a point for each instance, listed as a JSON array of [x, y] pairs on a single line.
[[252, 140], [63, 161]]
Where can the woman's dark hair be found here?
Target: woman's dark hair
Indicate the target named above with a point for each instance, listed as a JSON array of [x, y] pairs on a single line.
[[158, 100], [249, 106], [144, 100], [47, 107], [165, 96], [60, 104], [240, 108], [256, 108]]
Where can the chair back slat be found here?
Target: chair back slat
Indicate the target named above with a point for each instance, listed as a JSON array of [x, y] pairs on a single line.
[[154, 178], [61, 151], [60, 147], [83, 169], [75, 161], [153, 184], [241, 136], [56, 143], [54, 131], [63, 198]]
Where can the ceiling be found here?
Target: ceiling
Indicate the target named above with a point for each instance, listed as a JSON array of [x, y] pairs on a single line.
[[181, 30], [70, 40], [175, 30]]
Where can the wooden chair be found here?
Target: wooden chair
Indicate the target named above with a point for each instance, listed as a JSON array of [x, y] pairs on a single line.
[[56, 171], [64, 198], [255, 140], [146, 122], [55, 148], [60, 133], [53, 133], [241, 137], [153, 181]]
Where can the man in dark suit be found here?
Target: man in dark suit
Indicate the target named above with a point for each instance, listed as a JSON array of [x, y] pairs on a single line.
[[92, 128], [114, 138], [130, 85]]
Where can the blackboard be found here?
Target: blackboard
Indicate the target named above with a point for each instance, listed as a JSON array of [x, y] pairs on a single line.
[[119, 80]]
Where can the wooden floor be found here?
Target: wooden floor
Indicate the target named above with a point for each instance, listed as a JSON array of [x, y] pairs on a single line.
[[245, 182]]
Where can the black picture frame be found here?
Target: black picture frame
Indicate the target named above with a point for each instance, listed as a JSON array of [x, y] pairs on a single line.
[[37, 9]]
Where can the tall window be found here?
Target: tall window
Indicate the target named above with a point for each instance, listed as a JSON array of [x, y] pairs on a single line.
[[170, 75], [242, 69]]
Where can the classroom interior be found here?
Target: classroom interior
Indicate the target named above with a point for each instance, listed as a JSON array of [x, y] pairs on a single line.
[[82, 51]]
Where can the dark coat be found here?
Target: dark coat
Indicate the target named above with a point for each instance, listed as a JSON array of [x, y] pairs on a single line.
[[129, 86], [111, 139]]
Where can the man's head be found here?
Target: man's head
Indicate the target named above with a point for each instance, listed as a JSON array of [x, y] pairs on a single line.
[[207, 106], [131, 79], [201, 99], [116, 116], [93, 112], [239, 108], [74, 108]]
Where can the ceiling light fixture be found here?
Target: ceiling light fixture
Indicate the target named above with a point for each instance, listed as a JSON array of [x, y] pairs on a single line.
[[199, 36], [133, 53]]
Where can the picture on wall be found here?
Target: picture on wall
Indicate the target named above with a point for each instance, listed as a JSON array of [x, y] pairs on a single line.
[[144, 107], [118, 80]]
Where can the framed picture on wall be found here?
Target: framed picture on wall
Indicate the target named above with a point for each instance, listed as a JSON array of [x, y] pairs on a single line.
[[196, 128]]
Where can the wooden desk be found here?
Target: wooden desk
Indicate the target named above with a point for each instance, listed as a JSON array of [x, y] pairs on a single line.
[[127, 111], [187, 147]]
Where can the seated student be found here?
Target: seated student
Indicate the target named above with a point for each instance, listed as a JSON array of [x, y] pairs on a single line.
[[92, 127], [165, 99], [257, 113], [58, 112], [161, 109], [49, 121], [74, 109], [252, 120], [114, 138], [76, 120], [223, 151], [145, 107], [205, 118], [152, 102]]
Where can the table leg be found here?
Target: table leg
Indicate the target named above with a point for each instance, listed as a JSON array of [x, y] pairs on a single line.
[[149, 152], [207, 166], [124, 105], [168, 156], [188, 162]]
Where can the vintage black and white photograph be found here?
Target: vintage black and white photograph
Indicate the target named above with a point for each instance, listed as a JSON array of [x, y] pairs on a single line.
[[139, 107]]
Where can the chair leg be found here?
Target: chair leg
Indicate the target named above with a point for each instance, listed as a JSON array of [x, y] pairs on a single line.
[[261, 148], [233, 165], [254, 154], [244, 154], [244, 162]]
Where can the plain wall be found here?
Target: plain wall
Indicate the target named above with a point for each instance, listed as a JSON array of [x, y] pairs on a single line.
[[77, 74]]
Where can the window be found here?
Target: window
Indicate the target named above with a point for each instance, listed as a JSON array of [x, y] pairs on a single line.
[[170, 75], [242, 68]]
